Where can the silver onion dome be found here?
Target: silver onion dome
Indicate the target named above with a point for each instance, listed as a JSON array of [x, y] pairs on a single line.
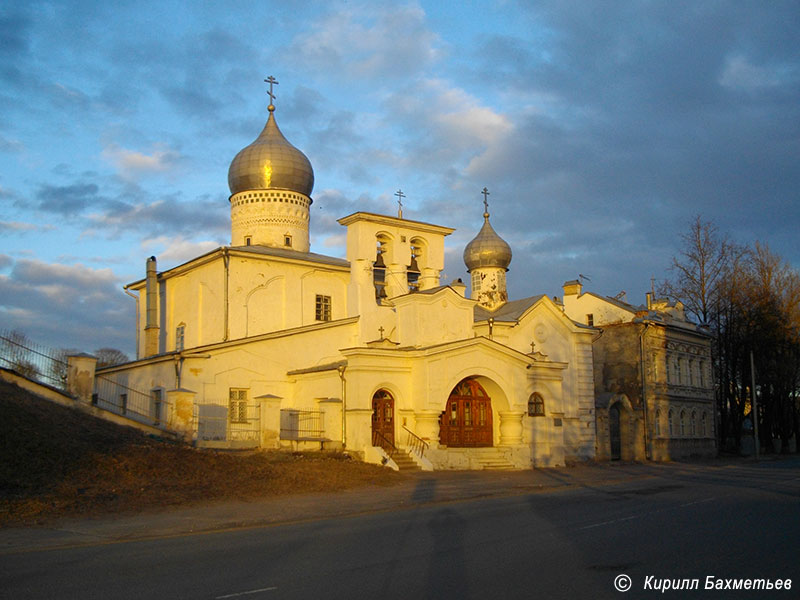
[[487, 249], [271, 162]]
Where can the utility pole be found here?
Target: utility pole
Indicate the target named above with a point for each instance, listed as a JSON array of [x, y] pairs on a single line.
[[754, 403]]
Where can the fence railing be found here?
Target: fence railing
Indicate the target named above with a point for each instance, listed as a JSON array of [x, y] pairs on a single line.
[[151, 408], [415, 443], [378, 439], [217, 423], [34, 361], [302, 425]]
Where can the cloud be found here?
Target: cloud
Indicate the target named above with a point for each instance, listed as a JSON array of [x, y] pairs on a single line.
[[176, 250], [68, 199], [739, 72], [14, 226], [365, 40], [52, 303], [131, 162], [167, 216]]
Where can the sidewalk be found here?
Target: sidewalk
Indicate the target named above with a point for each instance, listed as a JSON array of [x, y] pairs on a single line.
[[415, 489]]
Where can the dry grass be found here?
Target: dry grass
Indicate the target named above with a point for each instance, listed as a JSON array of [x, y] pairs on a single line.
[[58, 462]]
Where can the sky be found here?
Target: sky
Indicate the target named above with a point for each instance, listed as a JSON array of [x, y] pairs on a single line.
[[600, 128]]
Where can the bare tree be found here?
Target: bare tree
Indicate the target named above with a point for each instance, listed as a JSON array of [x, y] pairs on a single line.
[[107, 357], [698, 269]]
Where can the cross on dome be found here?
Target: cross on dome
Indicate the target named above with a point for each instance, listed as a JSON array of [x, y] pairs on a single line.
[[271, 81], [485, 193]]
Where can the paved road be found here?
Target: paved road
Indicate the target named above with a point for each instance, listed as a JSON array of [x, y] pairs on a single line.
[[676, 522]]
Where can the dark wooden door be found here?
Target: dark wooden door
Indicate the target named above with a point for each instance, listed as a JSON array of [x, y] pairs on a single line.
[[383, 420], [467, 420], [614, 432]]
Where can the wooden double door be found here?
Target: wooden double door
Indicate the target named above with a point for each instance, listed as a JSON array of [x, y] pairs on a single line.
[[467, 420]]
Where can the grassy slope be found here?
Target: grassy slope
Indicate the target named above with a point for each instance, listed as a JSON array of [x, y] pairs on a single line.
[[59, 462]]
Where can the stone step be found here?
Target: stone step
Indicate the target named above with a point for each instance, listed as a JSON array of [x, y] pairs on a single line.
[[405, 463]]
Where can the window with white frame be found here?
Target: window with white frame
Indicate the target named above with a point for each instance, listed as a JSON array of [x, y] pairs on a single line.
[[237, 405]]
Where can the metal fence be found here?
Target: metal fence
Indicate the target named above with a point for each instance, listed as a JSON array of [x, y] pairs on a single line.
[[302, 425], [34, 361], [216, 423], [150, 408]]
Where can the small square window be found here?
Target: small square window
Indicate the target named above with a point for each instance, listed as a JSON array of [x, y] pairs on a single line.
[[287, 241], [590, 319], [248, 240]]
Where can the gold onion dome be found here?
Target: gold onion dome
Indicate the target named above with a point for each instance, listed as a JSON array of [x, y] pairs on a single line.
[[487, 249], [271, 162]]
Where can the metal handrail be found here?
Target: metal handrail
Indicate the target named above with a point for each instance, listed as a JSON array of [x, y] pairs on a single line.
[[388, 446], [415, 443]]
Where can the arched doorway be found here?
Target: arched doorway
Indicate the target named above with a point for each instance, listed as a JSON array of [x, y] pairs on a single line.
[[383, 420], [614, 431], [467, 419]]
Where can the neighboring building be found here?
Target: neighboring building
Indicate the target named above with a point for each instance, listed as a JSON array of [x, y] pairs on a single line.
[[653, 382], [266, 343]]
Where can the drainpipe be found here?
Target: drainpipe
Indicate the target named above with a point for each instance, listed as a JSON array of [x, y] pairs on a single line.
[[642, 335], [135, 297], [341, 370], [226, 259]]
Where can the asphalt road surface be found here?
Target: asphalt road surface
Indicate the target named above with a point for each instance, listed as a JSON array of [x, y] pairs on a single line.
[[733, 523]]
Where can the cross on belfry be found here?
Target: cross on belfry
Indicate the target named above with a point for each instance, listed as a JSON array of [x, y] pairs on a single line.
[[381, 330], [271, 81], [400, 195], [485, 193]]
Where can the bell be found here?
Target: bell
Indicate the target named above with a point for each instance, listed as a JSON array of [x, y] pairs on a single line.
[[379, 261]]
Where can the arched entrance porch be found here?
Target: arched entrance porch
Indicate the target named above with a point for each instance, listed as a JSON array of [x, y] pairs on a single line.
[[466, 421]]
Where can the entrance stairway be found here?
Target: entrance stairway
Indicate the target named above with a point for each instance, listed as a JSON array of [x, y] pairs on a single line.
[[490, 459], [404, 462]]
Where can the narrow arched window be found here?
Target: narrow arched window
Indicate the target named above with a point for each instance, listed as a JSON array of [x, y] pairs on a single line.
[[683, 423], [536, 405], [180, 337], [657, 426], [379, 270], [670, 417], [693, 425]]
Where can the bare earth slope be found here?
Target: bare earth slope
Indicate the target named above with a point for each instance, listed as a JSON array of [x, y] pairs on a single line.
[[57, 462]]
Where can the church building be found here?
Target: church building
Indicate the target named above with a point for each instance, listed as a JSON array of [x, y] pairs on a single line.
[[264, 343]]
